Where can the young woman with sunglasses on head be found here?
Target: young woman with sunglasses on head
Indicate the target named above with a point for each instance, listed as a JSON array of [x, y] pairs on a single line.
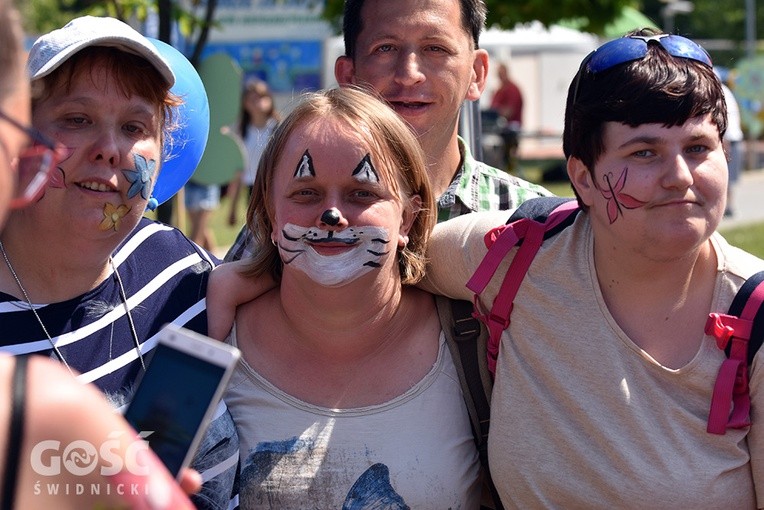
[[605, 376]]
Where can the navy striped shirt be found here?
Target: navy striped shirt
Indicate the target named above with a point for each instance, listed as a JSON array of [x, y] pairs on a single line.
[[165, 280]]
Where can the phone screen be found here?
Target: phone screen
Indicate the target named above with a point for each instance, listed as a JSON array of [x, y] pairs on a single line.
[[171, 401]]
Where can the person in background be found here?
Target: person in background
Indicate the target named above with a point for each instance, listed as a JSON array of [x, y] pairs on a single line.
[[606, 374], [733, 145], [342, 208], [507, 101], [259, 118], [84, 278], [424, 59], [42, 400], [201, 201]]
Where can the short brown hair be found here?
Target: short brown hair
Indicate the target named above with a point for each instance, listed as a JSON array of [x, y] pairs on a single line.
[[658, 88], [473, 21], [134, 75]]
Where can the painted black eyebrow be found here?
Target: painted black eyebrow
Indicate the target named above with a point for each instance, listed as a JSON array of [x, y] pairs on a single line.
[[366, 169], [305, 166]]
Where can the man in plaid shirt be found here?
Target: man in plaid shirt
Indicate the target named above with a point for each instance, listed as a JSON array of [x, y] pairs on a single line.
[[425, 74]]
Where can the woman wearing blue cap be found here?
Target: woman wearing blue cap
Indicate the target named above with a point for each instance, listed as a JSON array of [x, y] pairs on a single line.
[[83, 276]]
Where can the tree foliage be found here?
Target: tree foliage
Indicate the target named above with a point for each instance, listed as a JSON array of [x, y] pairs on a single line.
[[719, 24], [594, 14], [723, 20], [194, 18], [40, 16]]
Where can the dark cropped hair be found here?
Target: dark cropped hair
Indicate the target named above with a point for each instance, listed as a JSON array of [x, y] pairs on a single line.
[[657, 89], [473, 21]]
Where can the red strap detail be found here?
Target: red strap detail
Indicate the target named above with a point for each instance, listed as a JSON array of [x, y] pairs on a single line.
[[492, 235], [741, 400], [499, 241], [754, 302], [559, 214], [504, 238], [496, 324], [498, 319], [721, 401], [730, 401]]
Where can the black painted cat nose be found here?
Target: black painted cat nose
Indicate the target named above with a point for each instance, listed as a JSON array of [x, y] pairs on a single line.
[[331, 217]]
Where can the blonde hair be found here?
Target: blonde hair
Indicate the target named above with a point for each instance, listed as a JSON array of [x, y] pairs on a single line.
[[392, 143]]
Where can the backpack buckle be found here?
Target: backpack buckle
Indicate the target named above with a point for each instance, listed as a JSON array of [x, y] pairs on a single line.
[[501, 320], [716, 326]]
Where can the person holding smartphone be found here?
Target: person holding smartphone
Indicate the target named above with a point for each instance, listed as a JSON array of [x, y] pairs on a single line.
[[42, 402], [84, 277]]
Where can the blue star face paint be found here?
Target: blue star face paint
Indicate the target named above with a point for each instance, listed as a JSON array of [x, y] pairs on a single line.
[[140, 178]]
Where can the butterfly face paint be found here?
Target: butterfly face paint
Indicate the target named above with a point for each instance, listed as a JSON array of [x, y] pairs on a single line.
[[365, 250], [58, 177], [617, 200], [140, 178]]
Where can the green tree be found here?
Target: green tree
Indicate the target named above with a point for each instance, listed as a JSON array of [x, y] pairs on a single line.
[[40, 16], [194, 17], [594, 14], [719, 24]]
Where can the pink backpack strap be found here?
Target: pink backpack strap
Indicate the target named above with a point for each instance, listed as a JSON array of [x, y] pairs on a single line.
[[499, 241], [730, 401]]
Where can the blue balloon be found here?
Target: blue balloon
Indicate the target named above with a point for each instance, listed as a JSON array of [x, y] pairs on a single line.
[[185, 148]]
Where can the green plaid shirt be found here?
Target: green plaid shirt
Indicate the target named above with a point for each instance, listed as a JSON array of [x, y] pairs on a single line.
[[476, 187], [479, 187]]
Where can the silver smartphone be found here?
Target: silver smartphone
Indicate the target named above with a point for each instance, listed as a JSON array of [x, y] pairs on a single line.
[[185, 376]]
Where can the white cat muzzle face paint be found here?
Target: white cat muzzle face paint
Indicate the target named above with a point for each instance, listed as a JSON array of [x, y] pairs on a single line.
[[366, 249]]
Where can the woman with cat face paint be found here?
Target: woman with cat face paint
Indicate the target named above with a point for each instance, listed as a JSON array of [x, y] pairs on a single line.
[[84, 278], [347, 394]]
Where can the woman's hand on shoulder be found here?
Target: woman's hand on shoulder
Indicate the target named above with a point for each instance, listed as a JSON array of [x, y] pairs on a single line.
[[227, 289]]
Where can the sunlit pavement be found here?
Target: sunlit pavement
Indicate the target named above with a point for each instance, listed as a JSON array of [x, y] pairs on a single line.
[[749, 200]]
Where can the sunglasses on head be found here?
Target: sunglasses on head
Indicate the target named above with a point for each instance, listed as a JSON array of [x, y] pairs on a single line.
[[634, 47]]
